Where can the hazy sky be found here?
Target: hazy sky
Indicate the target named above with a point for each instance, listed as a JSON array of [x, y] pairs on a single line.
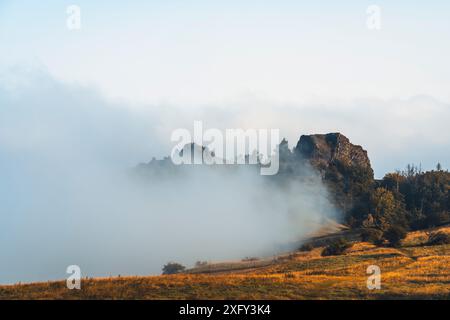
[[379, 87], [386, 89], [192, 52]]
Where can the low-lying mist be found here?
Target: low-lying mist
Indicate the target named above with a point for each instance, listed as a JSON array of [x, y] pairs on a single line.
[[70, 195]]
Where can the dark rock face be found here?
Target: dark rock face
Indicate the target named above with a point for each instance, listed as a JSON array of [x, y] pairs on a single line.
[[344, 167], [322, 150]]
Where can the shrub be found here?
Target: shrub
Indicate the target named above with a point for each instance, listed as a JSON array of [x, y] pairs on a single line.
[[372, 235], [438, 238], [394, 235], [306, 247], [337, 247], [199, 264], [172, 268]]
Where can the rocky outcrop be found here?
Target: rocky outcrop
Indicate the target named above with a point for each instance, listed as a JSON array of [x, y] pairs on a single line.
[[344, 168], [323, 150]]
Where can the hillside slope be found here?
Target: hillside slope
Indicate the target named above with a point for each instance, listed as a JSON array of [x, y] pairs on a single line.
[[412, 271]]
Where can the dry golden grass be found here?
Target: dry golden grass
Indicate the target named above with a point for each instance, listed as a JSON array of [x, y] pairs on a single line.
[[408, 272], [420, 237]]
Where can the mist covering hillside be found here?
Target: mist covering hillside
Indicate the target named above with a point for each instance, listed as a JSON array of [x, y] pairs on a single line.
[[68, 196]]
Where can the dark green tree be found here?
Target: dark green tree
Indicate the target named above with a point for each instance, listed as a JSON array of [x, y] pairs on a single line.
[[172, 268], [386, 210], [394, 235]]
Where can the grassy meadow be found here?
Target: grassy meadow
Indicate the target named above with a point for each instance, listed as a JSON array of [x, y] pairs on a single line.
[[413, 270]]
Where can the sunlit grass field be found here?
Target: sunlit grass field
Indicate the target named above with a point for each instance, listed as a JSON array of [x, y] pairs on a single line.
[[411, 271]]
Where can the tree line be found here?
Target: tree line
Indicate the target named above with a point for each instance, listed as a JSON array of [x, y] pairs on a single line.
[[410, 198]]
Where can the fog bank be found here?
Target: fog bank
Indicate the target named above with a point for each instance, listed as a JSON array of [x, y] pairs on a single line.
[[67, 195]]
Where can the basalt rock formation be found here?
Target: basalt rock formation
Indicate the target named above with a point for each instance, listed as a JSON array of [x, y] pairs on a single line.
[[344, 167], [325, 150]]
